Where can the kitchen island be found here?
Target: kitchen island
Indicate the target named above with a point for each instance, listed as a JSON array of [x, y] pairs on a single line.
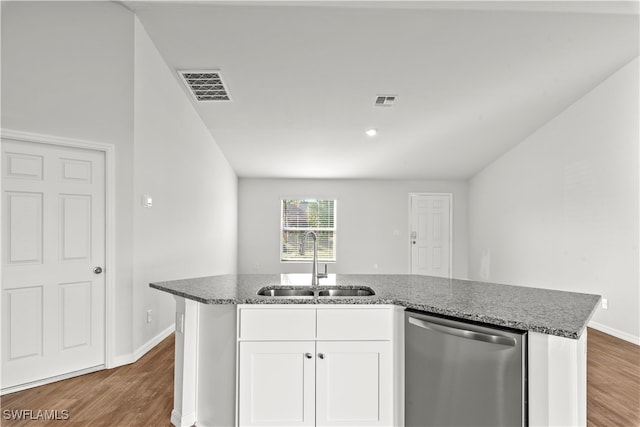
[[207, 334]]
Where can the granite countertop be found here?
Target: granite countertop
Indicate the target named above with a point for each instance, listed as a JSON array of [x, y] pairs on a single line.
[[546, 311]]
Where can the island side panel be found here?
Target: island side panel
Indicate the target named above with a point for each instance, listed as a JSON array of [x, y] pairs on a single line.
[[398, 366], [217, 365], [557, 380], [186, 366]]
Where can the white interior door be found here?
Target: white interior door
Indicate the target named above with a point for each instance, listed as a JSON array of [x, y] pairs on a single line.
[[431, 234], [53, 226]]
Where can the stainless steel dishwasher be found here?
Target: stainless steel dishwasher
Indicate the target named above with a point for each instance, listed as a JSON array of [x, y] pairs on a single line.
[[463, 374]]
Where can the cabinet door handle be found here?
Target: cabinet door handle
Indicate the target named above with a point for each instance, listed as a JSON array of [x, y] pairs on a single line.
[[308, 355], [321, 355]]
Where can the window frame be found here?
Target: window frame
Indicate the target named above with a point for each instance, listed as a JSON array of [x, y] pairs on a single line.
[[333, 229]]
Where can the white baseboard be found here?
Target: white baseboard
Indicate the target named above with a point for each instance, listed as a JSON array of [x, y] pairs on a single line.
[[126, 359], [50, 380], [123, 359], [179, 421], [146, 347], [615, 332]]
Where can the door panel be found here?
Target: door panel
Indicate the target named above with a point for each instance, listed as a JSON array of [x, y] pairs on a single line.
[[24, 322], [76, 170], [24, 230], [53, 219], [24, 166], [75, 309], [431, 234], [75, 227]]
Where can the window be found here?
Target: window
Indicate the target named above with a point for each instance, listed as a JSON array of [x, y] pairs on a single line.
[[300, 216]]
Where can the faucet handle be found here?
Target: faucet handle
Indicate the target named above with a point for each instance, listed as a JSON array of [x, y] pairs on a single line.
[[323, 275]]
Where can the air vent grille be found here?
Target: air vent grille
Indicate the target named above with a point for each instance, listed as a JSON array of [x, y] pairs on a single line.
[[385, 100], [206, 85]]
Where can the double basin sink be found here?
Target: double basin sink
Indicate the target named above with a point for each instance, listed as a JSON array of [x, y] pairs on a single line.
[[317, 292]]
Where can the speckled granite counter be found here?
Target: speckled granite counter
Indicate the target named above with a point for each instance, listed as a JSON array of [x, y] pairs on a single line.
[[550, 312]]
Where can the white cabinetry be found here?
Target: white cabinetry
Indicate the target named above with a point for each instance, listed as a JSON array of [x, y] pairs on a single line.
[[353, 383], [276, 385], [315, 366]]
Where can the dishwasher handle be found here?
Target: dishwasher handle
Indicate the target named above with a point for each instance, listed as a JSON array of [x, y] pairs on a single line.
[[464, 333]]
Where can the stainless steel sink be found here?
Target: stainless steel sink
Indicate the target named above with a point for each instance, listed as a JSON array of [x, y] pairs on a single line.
[[342, 292], [317, 292], [286, 292]]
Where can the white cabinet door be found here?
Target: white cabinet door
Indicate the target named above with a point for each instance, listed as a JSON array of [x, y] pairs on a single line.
[[276, 383], [354, 383]]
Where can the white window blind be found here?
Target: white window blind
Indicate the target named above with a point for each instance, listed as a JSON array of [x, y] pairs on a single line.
[[301, 216]]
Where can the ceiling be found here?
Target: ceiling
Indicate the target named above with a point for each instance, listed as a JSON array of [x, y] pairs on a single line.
[[472, 79]]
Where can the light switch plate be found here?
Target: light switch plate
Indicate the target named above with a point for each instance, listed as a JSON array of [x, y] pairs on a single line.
[[147, 201]]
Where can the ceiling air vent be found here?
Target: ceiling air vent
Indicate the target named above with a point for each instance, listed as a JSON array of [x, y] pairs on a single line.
[[206, 85], [385, 100]]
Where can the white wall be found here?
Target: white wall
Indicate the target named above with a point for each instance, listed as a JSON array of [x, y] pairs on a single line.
[[373, 223], [67, 71], [191, 229], [87, 70], [560, 210]]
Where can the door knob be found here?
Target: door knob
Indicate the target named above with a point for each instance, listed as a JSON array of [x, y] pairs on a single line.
[[97, 270], [308, 355], [321, 355]]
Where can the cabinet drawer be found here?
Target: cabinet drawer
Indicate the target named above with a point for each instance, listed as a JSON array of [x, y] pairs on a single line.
[[354, 324], [277, 324]]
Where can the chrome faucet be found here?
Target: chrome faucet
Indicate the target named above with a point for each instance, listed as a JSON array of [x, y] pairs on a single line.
[[314, 269]]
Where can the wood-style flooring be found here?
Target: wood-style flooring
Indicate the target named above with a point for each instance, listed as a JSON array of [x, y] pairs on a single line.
[[141, 394], [613, 381]]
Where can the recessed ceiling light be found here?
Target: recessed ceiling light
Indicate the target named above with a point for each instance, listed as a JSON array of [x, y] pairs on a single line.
[[371, 132]]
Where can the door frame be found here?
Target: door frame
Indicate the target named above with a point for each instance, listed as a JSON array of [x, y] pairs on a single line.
[[109, 269], [450, 197]]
